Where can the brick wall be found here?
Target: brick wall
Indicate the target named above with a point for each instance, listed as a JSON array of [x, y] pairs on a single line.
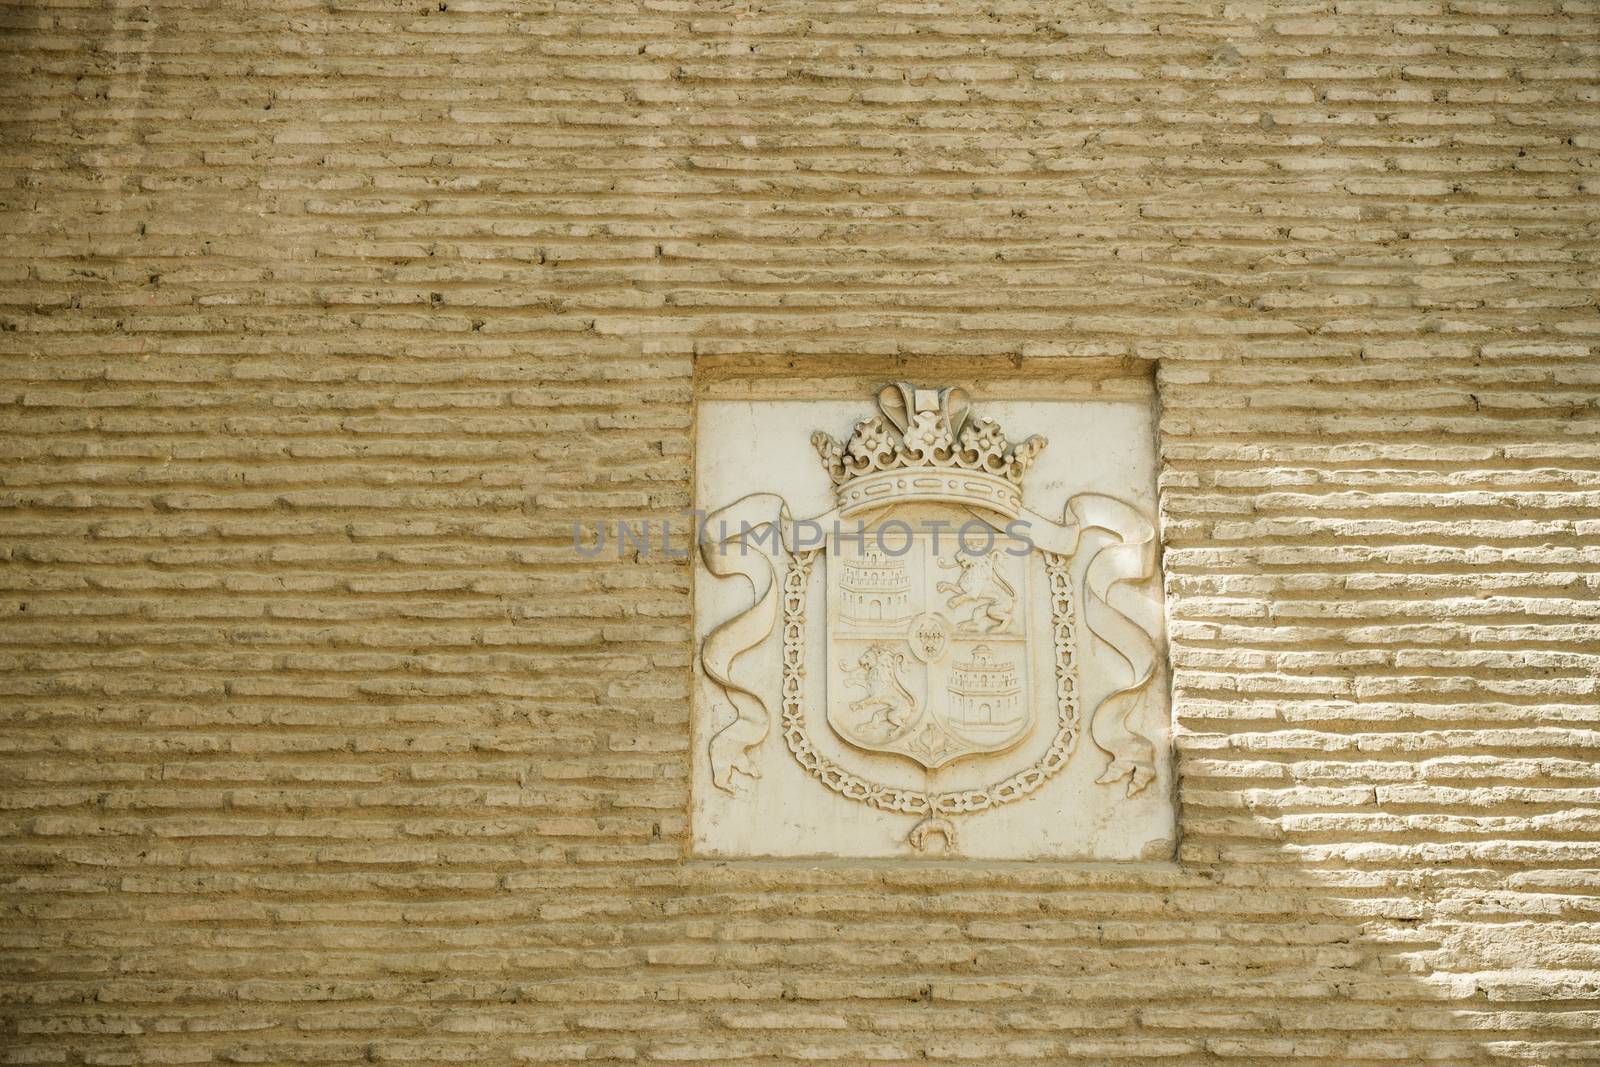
[[323, 321]]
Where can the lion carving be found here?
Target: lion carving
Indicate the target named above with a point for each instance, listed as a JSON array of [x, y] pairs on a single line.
[[992, 598], [888, 704]]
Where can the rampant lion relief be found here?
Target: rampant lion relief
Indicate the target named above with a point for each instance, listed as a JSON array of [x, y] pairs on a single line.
[[950, 617]]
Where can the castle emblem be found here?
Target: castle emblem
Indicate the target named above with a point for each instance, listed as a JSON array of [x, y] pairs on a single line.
[[985, 693], [874, 588], [942, 630]]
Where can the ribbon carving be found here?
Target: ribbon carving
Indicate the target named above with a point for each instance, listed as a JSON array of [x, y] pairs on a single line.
[[1130, 560], [732, 554]]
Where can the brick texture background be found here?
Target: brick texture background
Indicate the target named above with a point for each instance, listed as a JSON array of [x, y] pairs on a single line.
[[322, 321]]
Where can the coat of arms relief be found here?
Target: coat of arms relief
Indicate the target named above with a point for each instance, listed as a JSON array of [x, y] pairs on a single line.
[[929, 628]]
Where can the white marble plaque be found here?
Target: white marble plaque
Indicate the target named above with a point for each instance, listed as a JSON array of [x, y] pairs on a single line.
[[929, 625]]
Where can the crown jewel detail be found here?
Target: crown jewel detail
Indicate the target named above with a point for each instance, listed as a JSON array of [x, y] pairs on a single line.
[[927, 432]]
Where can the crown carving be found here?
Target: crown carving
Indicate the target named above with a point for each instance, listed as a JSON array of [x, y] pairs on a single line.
[[926, 445]]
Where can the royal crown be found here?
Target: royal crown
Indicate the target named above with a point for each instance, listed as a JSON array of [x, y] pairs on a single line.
[[926, 446]]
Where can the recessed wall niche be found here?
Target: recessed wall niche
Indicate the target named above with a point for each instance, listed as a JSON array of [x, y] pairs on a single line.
[[928, 616]]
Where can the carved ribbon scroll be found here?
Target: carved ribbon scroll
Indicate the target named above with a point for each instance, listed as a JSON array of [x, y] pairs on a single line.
[[1129, 560], [731, 545]]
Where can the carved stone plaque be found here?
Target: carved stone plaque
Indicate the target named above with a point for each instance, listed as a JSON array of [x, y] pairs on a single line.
[[932, 634]]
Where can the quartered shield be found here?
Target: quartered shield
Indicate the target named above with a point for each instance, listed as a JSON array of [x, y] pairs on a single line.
[[929, 651]]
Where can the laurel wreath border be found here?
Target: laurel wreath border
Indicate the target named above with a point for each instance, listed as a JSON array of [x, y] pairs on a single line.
[[796, 584]]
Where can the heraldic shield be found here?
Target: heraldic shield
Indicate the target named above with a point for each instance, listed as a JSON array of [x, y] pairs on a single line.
[[949, 614], [928, 642]]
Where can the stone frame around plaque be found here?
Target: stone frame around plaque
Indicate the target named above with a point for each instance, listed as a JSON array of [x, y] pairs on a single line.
[[928, 622]]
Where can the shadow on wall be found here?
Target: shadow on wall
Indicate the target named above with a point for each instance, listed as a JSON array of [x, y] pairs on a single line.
[[1255, 952], [1261, 950], [1250, 955]]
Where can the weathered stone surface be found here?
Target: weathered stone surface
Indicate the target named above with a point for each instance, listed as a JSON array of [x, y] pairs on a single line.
[[323, 323]]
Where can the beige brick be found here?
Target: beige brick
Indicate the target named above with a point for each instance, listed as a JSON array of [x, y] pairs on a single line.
[[321, 327]]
